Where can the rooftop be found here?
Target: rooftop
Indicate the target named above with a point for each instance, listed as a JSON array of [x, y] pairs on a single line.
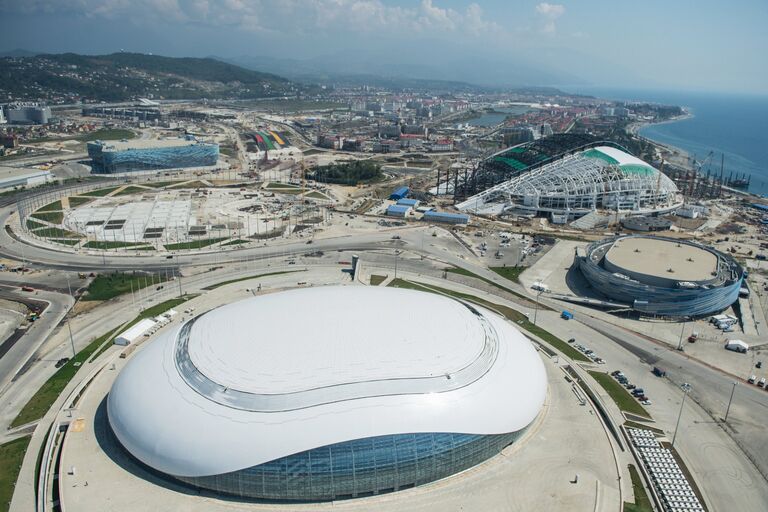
[[654, 257], [251, 347], [122, 145]]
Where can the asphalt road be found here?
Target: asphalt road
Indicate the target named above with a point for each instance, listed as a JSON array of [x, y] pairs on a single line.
[[711, 387], [15, 356]]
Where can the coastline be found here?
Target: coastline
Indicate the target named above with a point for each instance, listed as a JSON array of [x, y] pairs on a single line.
[[671, 154]]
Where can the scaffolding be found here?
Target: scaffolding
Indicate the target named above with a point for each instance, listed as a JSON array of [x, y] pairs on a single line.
[[575, 185]]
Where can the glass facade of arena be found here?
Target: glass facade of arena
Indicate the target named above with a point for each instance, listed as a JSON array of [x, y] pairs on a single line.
[[144, 159], [362, 467], [698, 300]]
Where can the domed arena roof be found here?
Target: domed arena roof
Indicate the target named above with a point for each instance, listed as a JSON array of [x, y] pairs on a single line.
[[279, 374]]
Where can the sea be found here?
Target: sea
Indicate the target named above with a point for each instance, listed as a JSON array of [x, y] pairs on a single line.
[[732, 125]]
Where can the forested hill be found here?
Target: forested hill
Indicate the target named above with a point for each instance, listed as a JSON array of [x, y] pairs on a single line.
[[66, 77]]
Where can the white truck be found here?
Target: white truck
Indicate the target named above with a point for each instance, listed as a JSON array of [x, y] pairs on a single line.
[[736, 346]]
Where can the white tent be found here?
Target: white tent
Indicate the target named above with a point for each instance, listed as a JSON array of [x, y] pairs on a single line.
[[132, 334]]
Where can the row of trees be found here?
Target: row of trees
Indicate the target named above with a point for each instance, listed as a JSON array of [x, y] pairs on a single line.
[[348, 173]]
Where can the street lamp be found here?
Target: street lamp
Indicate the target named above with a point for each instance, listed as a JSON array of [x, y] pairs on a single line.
[[686, 388], [397, 253], [728, 409], [536, 310], [69, 324], [680, 343]]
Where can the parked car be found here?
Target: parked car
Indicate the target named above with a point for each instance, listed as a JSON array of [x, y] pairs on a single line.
[[646, 402], [759, 364], [61, 362], [751, 379], [761, 382]]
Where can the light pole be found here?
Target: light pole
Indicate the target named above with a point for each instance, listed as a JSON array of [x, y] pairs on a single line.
[[69, 324], [728, 409], [536, 310], [178, 268], [686, 388], [397, 253], [680, 343]]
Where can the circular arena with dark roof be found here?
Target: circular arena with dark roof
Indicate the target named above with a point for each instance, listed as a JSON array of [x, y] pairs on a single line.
[[662, 276], [328, 393]]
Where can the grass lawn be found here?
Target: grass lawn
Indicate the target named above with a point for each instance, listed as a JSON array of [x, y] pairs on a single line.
[[56, 205], [619, 394], [141, 248], [109, 244], [76, 201], [107, 134], [642, 502], [100, 193], [191, 184], [512, 315], [130, 190], [53, 217], [377, 280], [31, 224], [47, 232], [195, 244], [161, 184], [11, 457], [511, 273], [70, 242], [236, 242], [465, 272], [217, 285], [286, 191], [316, 195], [108, 286], [276, 184]]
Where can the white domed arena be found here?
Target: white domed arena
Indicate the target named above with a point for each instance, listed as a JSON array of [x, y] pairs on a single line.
[[328, 393]]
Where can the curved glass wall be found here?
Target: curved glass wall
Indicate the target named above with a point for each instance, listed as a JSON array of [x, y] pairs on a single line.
[[139, 159], [358, 468]]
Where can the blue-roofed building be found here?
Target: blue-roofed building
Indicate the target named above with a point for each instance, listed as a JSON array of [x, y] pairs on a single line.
[[448, 218], [400, 193], [413, 203], [149, 154], [763, 207], [398, 210]]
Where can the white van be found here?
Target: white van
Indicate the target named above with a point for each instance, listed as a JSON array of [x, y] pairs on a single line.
[[761, 382]]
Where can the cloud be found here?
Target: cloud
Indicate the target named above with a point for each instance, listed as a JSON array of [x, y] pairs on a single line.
[[290, 17], [550, 12]]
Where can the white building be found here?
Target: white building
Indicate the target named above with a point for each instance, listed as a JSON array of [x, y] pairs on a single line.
[[408, 386], [11, 177]]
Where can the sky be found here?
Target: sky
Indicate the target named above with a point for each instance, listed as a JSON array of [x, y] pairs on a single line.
[[706, 45]]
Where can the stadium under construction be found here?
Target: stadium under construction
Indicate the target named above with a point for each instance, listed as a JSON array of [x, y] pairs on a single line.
[[662, 277], [565, 177]]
